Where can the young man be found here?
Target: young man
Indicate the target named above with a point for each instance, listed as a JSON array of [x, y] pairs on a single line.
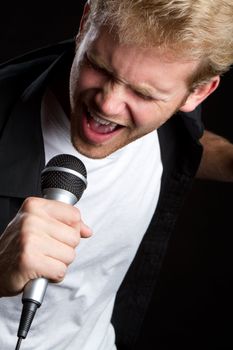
[[127, 104]]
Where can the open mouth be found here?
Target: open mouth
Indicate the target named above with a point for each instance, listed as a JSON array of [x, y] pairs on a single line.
[[100, 125]]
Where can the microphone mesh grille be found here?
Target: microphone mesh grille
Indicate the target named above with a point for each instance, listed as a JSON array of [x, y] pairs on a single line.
[[68, 161], [62, 180]]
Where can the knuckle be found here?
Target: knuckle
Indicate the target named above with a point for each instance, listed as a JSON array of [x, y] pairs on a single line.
[[28, 242], [27, 250], [72, 256], [26, 262], [77, 212], [26, 222], [76, 217], [74, 239], [61, 272], [30, 203], [27, 230], [69, 256]]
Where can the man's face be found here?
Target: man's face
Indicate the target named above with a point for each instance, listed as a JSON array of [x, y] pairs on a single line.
[[119, 93]]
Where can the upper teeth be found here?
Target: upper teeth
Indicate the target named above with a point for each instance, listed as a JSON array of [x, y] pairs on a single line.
[[102, 121]]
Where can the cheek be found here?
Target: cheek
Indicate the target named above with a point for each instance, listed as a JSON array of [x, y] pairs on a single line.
[[149, 118], [88, 79], [146, 116], [81, 80]]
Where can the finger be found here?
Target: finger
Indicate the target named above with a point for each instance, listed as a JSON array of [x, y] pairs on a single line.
[[60, 211], [45, 237], [45, 247], [63, 212], [85, 231], [66, 234], [52, 269], [62, 232], [57, 250], [34, 228]]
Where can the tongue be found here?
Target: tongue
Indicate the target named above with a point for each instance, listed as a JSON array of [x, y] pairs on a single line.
[[100, 128]]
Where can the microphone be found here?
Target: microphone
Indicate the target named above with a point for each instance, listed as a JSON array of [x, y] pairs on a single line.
[[63, 179]]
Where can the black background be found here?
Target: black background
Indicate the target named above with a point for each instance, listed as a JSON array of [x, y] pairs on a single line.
[[192, 306]]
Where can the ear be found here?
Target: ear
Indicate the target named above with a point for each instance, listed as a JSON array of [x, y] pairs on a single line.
[[200, 94], [85, 15]]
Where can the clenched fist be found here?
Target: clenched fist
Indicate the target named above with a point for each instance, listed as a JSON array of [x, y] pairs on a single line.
[[39, 242]]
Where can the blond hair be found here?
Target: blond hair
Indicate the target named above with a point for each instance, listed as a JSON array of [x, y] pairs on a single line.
[[192, 29]]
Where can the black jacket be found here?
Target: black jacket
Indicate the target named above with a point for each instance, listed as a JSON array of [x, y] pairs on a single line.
[[22, 83]]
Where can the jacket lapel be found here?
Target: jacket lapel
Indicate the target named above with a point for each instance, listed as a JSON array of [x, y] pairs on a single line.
[[21, 146]]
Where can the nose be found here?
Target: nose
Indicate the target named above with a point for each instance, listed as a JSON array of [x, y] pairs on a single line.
[[111, 98]]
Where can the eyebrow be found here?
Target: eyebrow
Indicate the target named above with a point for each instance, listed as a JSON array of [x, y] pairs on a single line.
[[145, 91]]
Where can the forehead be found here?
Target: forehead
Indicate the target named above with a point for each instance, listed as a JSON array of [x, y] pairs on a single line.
[[139, 64]]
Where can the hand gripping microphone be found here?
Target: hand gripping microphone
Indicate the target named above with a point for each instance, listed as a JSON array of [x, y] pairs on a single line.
[[63, 179]]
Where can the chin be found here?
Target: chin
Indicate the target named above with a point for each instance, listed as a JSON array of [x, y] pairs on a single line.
[[95, 151], [92, 151]]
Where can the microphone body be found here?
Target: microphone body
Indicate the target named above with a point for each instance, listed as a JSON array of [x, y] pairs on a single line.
[[64, 180]]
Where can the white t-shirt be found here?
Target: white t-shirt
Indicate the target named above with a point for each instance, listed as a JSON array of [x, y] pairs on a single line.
[[118, 205]]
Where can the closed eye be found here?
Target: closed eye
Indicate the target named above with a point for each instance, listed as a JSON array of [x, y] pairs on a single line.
[[144, 97], [95, 66], [110, 75]]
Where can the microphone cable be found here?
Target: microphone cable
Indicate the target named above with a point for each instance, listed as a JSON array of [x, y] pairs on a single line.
[[18, 343], [29, 309]]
